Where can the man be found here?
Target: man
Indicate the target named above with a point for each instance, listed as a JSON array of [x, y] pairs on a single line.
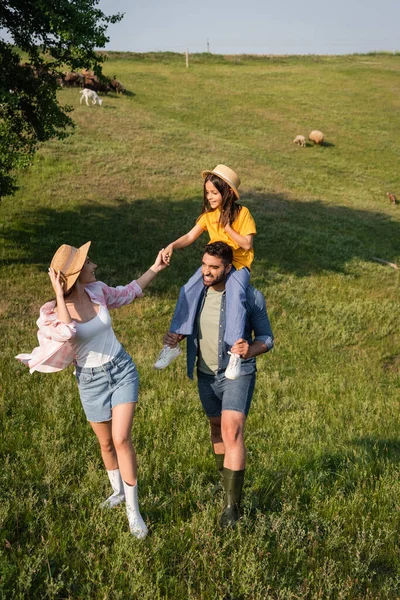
[[226, 402]]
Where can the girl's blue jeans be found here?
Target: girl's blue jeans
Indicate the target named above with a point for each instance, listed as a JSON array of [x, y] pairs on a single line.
[[191, 293]]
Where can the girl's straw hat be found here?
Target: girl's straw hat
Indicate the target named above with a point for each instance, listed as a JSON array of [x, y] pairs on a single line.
[[227, 175], [69, 261]]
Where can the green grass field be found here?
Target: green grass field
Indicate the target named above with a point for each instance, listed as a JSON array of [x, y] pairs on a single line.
[[322, 493]]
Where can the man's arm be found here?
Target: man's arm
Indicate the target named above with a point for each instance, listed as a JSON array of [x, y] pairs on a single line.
[[246, 350]]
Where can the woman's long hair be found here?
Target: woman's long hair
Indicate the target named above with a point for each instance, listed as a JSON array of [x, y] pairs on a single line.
[[229, 208]]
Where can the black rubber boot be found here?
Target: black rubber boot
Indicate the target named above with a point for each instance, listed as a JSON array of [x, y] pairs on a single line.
[[219, 461], [233, 483]]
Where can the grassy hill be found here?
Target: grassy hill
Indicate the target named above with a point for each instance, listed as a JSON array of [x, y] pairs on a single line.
[[322, 493]]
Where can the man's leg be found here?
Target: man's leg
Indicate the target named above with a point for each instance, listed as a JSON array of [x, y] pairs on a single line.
[[212, 403], [217, 443], [236, 401], [232, 429]]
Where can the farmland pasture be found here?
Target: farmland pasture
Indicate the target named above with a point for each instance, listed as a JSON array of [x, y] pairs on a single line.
[[322, 493]]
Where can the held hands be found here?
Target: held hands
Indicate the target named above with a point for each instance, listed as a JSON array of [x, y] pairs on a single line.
[[167, 253], [56, 282], [241, 347], [160, 263]]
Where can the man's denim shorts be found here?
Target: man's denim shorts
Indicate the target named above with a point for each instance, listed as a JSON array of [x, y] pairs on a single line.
[[217, 393], [102, 388]]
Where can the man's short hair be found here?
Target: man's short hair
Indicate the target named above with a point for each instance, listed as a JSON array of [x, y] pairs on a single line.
[[220, 250]]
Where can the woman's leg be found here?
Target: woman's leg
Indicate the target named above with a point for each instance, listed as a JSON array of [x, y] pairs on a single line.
[[103, 432], [121, 431], [122, 419]]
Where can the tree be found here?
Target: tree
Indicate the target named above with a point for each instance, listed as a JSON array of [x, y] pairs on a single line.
[[52, 35]]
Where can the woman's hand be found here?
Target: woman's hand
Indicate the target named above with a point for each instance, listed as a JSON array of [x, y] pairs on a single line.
[[167, 253], [56, 282], [160, 263]]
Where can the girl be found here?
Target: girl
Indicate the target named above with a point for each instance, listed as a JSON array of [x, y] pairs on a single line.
[[225, 221], [76, 327]]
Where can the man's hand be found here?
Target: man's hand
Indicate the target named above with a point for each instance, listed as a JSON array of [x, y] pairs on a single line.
[[241, 347], [172, 339]]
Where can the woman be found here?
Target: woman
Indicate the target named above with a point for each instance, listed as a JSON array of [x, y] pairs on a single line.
[[76, 327]]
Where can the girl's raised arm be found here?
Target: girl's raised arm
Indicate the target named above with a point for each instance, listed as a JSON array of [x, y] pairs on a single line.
[[182, 242]]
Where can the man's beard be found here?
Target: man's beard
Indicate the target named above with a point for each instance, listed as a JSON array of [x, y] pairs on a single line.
[[215, 281]]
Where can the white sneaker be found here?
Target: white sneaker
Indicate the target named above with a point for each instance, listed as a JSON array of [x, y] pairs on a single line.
[[234, 367], [166, 356]]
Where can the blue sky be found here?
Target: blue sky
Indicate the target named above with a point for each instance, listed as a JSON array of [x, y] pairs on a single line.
[[256, 26]]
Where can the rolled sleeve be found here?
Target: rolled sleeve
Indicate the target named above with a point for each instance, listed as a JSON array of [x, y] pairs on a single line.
[[114, 297]]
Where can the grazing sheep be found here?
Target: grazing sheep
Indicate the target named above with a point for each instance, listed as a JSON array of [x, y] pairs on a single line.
[[117, 86], [92, 95], [300, 140], [317, 137], [72, 79]]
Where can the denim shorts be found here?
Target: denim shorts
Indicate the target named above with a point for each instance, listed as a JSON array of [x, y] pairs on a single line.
[[102, 388], [217, 393]]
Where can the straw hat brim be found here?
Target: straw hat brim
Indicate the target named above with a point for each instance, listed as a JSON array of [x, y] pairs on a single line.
[[221, 176], [75, 266]]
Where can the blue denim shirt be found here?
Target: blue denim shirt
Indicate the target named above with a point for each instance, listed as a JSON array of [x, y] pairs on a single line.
[[257, 322]]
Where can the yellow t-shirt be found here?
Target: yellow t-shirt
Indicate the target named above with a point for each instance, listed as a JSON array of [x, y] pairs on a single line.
[[243, 224]]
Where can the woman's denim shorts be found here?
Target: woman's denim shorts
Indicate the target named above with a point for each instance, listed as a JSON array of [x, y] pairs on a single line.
[[217, 393], [102, 388]]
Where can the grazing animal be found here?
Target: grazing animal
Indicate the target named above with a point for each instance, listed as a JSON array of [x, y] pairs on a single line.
[[391, 197], [94, 97], [117, 86], [317, 137], [300, 140], [72, 79]]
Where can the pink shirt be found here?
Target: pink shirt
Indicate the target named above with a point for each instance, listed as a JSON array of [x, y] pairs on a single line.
[[54, 353]]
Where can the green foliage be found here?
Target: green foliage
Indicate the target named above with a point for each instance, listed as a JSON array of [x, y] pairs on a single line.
[[52, 35]]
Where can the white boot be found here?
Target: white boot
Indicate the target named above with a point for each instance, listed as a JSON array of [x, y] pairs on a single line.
[[136, 524], [118, 486]]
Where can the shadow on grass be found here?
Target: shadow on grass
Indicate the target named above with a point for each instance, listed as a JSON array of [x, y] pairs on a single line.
[[388, 449], [324, 472], [302, 238]]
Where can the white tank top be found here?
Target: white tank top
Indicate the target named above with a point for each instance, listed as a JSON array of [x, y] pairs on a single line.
[[95, 343]]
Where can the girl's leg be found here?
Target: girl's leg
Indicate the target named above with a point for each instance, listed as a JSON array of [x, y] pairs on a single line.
[[186, 306], [183, 319], [122, 419], [236, 286]]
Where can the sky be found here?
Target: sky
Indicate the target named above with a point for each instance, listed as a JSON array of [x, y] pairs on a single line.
[[255, 26]]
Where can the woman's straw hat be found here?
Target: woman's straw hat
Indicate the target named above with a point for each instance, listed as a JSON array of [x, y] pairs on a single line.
[[227, 175], [69, 261]]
